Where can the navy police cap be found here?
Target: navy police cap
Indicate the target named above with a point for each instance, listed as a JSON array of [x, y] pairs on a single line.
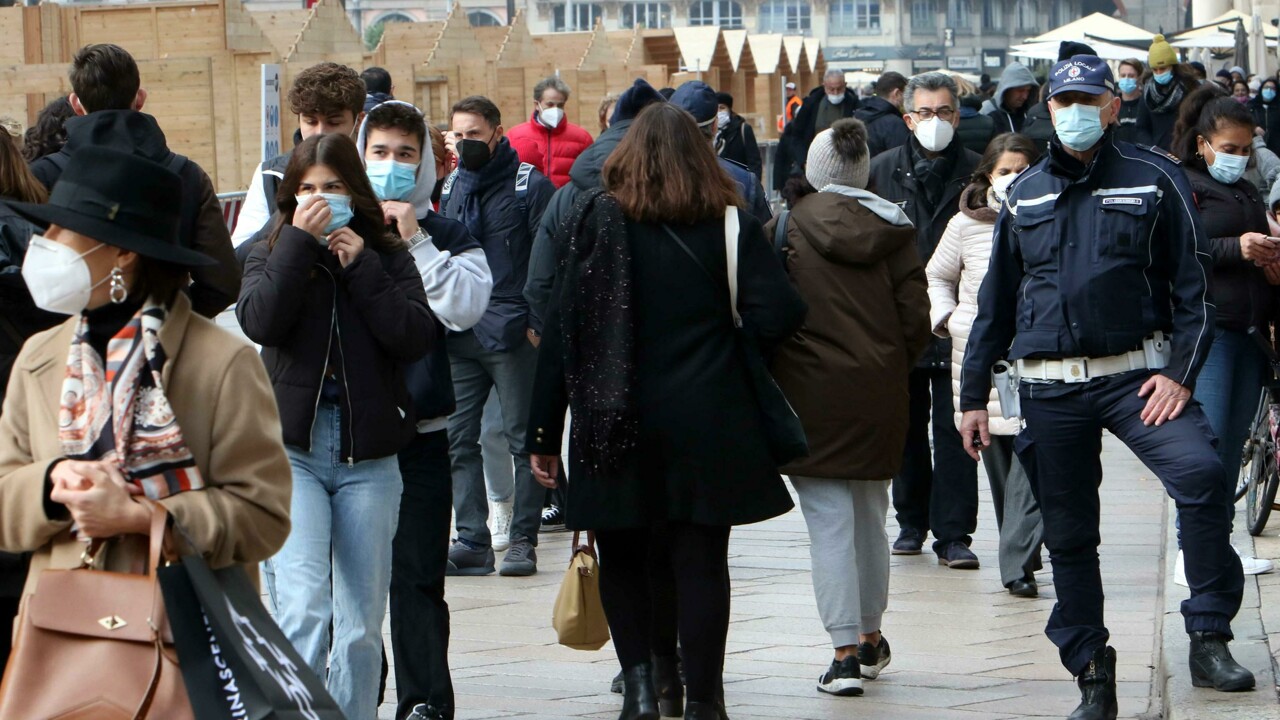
[[1081, 73]]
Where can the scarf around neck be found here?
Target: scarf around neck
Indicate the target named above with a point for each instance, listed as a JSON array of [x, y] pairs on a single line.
[[597, 322], [471, 184], [116, 411], [1157, 101]]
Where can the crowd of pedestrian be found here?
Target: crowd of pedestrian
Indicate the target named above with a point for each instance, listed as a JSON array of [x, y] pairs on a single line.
[[436, 308]]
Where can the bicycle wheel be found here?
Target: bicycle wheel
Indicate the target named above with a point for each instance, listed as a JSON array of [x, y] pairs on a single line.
[[1258, 432], [1262, 487]]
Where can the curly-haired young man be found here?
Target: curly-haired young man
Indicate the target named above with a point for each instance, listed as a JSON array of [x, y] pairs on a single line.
[[327, 98]]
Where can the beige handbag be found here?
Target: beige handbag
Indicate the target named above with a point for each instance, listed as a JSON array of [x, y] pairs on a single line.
[[578, 616], [95, 645]]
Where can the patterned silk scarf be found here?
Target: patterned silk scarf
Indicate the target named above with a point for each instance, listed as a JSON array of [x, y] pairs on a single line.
[[120, 413]]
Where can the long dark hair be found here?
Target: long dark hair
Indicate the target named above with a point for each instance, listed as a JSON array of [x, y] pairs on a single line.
[[338, 152], [48, 135], [1001, 144], [1203, 113], [16, 180], [664, 170]]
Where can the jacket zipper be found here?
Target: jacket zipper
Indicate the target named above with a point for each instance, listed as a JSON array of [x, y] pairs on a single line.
[[333, 321], [337, 329]]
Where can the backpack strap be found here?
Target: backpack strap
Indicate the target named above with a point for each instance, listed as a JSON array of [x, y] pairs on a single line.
[[780, 235], [176, 163], [522, 186], [447, 188]]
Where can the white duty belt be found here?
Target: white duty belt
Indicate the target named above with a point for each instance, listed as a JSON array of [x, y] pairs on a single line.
[[1154, 355]]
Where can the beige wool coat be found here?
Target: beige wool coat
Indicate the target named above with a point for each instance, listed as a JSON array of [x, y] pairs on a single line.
[[955, 274], [223, 401]]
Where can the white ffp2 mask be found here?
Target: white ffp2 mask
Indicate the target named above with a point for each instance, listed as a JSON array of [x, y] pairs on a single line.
[[57, 277]]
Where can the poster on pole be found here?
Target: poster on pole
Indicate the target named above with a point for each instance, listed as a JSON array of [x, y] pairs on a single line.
[[270, 111]]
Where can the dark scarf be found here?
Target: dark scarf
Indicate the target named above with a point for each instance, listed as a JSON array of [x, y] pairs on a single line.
[[1158, 101], [598, 326], [471, 185], [932, 173]]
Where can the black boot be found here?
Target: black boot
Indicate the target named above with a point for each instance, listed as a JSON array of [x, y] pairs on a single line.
[[666, 680], [704, 711], [1212, 664], [639, 701], [1098, 688]]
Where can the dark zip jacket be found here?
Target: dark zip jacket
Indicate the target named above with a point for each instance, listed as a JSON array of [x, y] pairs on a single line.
[[1241, 295], [1086, 261], [366, 321], [885, 127]]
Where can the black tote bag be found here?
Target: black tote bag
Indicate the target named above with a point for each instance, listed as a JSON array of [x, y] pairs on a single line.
[[235, 660]]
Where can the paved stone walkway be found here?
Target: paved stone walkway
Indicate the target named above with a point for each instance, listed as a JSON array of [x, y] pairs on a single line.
[[963, 647]]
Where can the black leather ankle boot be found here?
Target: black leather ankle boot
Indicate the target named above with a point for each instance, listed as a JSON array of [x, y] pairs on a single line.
[[704, 711], [1098, 688], [639, 700], [1212, 664], [666, 680]]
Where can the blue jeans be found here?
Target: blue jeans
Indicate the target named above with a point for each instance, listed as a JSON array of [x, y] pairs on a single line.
[[476, 371], [343, 521], [1228, 389]]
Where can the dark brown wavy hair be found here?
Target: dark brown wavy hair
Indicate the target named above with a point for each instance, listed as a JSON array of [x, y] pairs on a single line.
[[338, 152], [16, 180], [664, 170]]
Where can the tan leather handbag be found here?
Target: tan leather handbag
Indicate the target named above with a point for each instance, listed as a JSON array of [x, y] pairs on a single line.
[[578, 616], [95, 645]]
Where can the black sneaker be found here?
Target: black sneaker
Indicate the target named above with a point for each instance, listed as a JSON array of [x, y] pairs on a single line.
[[909, 542], [426, 711], [873, 658], [616, 686], [553, 519], [843, 678]]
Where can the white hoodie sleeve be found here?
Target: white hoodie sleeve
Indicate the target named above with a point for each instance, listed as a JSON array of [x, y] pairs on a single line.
[[253, 213], [458, 286]]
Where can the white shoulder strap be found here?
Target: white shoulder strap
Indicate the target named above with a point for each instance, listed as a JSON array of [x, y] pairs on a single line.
[[731, 231]]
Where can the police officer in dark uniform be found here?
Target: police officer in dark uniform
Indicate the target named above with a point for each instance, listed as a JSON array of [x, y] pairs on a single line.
[[1097, 293]]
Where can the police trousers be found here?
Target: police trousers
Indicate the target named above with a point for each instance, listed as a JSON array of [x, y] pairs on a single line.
[[1064, 441]]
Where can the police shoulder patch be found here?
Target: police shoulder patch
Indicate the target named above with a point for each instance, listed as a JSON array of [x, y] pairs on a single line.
[[1161, 152]]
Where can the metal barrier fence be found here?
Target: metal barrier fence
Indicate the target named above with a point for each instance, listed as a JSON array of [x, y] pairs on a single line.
[[231, 204]]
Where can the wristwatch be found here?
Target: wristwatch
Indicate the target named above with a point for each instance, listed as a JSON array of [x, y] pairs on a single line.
[[418, 238]]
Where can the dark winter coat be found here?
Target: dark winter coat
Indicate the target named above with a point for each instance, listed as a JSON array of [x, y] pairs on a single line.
[[202, 227], [1156, 128], [1239, 289], [793, 148], [1127, 121], [701, 455], [885, 127], [367, 321], [19, 316], [893, 178], [845, 372], [1266, 115], [975, 130], [1039, 126], [737, 142]]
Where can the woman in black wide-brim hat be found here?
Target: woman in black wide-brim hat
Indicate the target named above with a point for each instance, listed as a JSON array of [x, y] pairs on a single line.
[[134, 399]]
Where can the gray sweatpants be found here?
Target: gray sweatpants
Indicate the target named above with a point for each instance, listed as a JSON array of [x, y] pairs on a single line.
[[850, 553]]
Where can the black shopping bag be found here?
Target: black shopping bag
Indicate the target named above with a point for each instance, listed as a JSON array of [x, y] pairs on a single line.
[[236, 662]]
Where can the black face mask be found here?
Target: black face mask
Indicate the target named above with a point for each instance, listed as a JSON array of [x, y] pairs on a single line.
[[473, 154]]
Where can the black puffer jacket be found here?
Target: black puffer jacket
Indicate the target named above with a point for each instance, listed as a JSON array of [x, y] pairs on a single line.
[[793, 147], [1239, 289], [893, 178], [885, 127], [368, 320], [1266, 115], [737, 142]]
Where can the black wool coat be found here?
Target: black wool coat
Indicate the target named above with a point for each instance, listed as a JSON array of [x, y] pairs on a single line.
[[701, 454]]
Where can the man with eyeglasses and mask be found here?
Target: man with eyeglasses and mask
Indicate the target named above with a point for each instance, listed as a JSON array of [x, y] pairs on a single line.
[[501, 200], [925, 177], [1097, 293]]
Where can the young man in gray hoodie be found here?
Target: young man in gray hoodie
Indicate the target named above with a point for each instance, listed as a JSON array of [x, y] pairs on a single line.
[[1015, 95]]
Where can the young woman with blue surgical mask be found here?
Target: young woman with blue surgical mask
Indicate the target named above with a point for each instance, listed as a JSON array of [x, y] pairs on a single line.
[[1266, 114], [339, 309], [1215, 142], [1129, 86], [1169, 84]]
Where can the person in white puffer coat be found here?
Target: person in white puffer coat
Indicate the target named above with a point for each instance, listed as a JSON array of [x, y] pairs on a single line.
[[955, 273]]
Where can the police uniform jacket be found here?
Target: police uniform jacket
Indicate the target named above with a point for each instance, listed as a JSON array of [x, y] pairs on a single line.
[[1089, 260]]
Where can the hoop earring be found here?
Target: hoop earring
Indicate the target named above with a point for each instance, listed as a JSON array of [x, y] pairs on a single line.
[[119, 293]]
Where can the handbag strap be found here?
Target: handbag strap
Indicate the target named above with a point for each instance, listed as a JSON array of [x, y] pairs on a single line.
[[156, 619], [731, 232]]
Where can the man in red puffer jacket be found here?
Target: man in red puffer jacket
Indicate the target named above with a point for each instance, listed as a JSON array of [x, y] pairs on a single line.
[[549, 142]]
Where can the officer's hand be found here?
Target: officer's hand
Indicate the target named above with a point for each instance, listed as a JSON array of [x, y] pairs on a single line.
[[1258, 249], [1165, 400], [971, 423]]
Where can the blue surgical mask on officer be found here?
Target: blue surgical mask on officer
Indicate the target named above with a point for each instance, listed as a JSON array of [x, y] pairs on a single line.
[[1163, 78], [392, 180], [1127, 84], [1226, 168], [1079, 126]]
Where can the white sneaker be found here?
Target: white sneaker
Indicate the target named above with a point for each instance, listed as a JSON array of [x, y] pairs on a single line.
[[1253, 565], [501, 521], [1180, 571]]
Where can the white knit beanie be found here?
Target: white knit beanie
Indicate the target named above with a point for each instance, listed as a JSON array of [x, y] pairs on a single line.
[[839, 156]]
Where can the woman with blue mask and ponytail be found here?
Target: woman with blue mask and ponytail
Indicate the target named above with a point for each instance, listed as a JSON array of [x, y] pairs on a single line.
[[1266, 114], [1215, 140], [1168, 84], [339, 309]]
